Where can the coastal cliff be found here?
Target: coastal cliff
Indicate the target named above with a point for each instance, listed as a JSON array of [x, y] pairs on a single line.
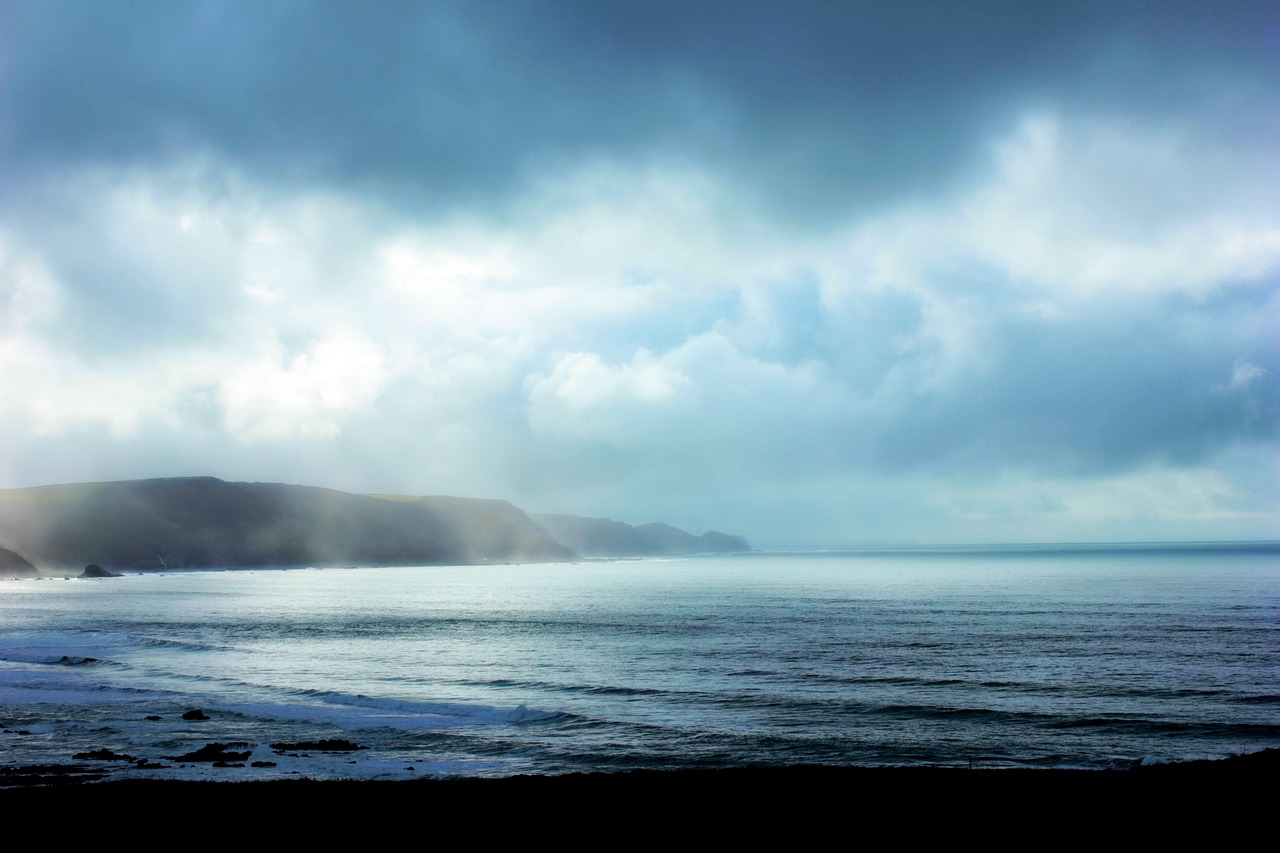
[[205, 523], [14, 565]]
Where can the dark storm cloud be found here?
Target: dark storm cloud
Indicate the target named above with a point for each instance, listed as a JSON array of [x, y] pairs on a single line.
[[816, 104]]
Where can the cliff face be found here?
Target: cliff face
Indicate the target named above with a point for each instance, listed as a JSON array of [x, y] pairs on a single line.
[[203, 522], [15, 565], [603, 537]]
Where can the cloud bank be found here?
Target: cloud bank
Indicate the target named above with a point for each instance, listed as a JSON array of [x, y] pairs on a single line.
[[813, 274]]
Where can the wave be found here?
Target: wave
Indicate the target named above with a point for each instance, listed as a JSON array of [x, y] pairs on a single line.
[[1212, 729], [355, 711]]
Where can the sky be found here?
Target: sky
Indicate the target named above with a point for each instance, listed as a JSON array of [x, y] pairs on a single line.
[[813, 273]]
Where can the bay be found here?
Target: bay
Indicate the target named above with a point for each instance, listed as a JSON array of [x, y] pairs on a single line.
[[1065, 656]]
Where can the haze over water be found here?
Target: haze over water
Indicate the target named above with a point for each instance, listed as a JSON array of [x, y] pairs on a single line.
[[1078, 656]]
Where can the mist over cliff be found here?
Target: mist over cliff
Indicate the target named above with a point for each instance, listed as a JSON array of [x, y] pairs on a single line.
[[15, 565], [204, 522]]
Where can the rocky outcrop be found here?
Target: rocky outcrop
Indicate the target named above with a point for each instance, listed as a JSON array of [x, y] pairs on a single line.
[[103, 754]]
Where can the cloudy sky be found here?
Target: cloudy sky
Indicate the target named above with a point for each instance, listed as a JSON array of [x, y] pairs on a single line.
[[821, 273]]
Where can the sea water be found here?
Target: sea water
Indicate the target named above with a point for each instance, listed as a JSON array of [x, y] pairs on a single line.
[[1073, 656]]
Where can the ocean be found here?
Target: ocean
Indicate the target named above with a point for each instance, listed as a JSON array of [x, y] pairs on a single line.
[[1048, 656]]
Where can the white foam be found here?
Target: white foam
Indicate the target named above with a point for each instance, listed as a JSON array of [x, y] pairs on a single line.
[[355, 712]]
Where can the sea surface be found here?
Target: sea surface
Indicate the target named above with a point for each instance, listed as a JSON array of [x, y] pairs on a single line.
[[1063, 656]]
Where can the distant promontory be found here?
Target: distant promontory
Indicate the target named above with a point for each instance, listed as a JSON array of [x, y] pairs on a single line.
[[603, 537], [205, 523]]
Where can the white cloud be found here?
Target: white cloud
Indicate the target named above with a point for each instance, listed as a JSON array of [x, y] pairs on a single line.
[[28, 294], [1244, 374], [1068, 209], [304, 395], [47, 392], [585, 398]]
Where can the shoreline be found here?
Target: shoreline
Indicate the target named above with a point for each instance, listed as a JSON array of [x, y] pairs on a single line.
[[995, 549], [1262, 764]]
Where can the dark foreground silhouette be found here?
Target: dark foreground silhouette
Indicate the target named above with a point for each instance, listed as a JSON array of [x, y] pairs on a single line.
[[1209, 800]]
